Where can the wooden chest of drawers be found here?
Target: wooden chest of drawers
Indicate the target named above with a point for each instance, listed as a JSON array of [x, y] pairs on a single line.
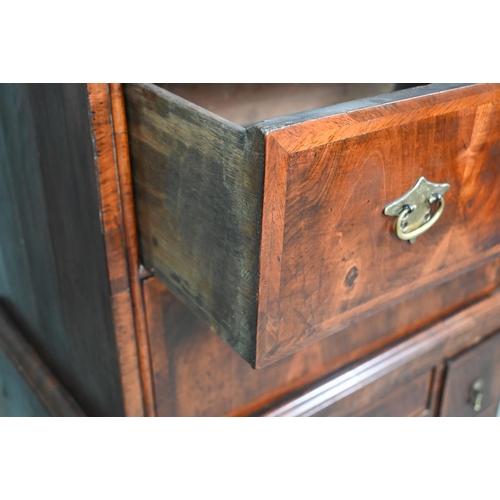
[[273, 234]]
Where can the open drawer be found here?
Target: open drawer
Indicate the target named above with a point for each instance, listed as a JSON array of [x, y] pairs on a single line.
[[275, 232]]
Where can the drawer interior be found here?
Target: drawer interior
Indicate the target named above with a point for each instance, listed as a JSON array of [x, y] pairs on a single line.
[[248, 103]]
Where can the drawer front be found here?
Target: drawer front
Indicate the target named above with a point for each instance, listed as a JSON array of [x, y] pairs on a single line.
[[329, 255], [389, 397], [373, 390], [211, 379], [407, 379], [276, 235], [472, 385]]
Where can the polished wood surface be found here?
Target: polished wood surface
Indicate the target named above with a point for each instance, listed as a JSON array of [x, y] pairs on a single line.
[[403, 380], [120, 135], [329, 255], [480, 362], [118, 221], [197, 374], [114, 237], [27, 386]]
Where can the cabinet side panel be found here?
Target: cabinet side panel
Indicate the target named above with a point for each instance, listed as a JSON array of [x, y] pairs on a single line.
[[53, 274], [27, 387], [16, 397]]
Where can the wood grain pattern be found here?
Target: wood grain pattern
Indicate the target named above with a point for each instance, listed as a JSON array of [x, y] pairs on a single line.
[[321, 126], [358, 389], [197, 183], [53, 272], [341, 260], [277, 252], [197, 374], [271, 246], [403, 393], [482, 361], [28, 387], [130, 234], [118, 229]]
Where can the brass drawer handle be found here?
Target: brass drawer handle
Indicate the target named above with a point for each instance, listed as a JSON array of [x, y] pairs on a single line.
[[477, 393], [412, 235], [413, 209]]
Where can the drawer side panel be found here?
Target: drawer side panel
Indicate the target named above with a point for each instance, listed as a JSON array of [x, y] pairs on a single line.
[[197, 184]]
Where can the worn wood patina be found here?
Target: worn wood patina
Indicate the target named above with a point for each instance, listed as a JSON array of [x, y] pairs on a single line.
[[197, 184]]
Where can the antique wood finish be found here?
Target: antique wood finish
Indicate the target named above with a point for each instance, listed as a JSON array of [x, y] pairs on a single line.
[[281, 250], [329, 256], [27, 386], [53, 271], [272, 234], [130, 233], [197, 183], [118, 222], [196, 374], [405, 392], [482, 361], [400, 380]]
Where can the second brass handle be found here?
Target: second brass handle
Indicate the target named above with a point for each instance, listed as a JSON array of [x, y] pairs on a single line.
[[411, 235], [477, 394]]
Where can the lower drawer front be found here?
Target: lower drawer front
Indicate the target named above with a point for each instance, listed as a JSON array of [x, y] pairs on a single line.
[[211, 379], [391, 396], [472, 386], [416, 376]]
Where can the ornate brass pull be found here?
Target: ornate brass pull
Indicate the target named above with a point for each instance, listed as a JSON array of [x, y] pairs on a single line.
[[412, 235], [477, 394], [413, 209]]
